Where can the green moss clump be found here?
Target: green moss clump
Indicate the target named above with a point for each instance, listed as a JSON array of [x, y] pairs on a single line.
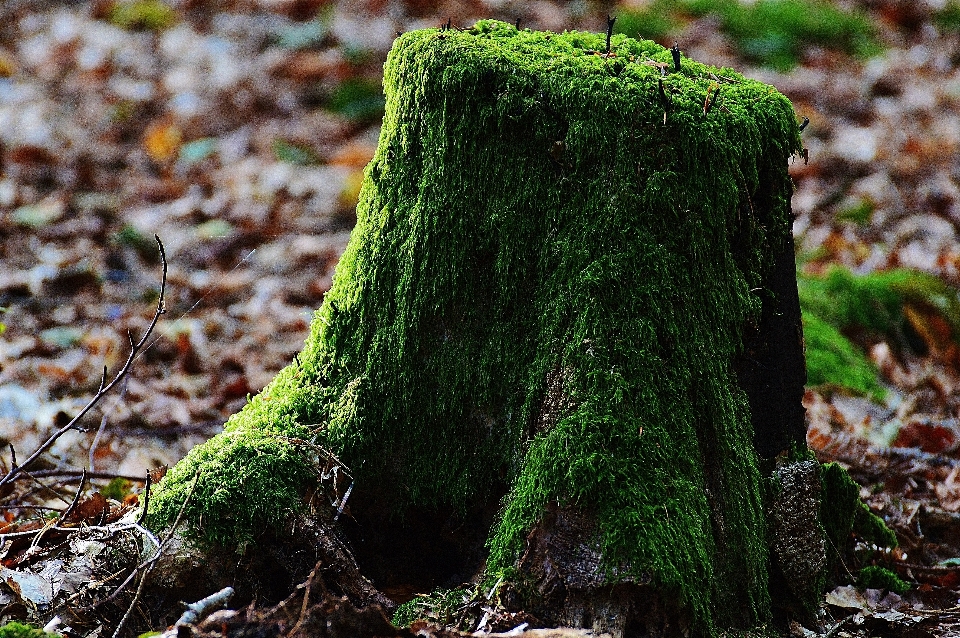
[[145, 15], [541, 302], [843, 514], [774, 32], [445, 607], [872, 306], [21, 630], [872, 529], [876, 577], [948, 17], [274, 473], [832, 360]]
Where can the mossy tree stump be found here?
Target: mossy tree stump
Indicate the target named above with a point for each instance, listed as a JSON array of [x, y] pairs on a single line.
[[570, 298]]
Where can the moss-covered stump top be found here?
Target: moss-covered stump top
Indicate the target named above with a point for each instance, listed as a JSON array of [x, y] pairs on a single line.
[[556, 253]]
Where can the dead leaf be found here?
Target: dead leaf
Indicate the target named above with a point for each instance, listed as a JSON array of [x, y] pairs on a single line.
[[92, 509], [162, 140], [847, 597]]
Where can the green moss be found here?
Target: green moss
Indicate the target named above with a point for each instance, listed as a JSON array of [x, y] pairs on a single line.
[[273, 473], [21, 630], [875, 577], [872, 307], [444, 607], [948, 17], [775, 32], [845, 516], [832, 360], [655, 21], [148, 15], [530, 230], [872, 529]]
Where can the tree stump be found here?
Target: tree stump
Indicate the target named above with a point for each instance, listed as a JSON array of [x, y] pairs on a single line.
[[566, 322]]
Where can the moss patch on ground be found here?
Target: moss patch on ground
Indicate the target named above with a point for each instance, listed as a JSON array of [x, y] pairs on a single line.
[[555, 254], [21, 630], [769, 32], [844, 515], [906, 308]]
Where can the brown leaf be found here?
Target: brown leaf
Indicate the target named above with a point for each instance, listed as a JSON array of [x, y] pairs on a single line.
[[93, 508]]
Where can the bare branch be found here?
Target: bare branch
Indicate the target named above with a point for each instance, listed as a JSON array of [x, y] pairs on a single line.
[[15, 472], [76, 499], [72, 473], [103, 425]]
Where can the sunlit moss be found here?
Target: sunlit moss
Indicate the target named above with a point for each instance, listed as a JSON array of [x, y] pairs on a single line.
[[540, 218], [22, 630]]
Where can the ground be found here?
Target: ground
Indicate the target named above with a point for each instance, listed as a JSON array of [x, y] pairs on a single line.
[[238, 135]]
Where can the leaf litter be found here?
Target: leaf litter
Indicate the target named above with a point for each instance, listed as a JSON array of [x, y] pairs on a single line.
[[239, 136]]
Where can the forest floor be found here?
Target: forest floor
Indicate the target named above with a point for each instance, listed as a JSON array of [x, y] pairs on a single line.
[[239, 134]]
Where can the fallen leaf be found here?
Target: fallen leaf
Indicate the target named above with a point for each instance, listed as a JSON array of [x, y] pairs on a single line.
[[162, 140]]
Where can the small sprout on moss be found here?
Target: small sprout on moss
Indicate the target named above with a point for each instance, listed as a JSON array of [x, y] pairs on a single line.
[[610, 22], [517, 25], [707, 102], [675, 52]]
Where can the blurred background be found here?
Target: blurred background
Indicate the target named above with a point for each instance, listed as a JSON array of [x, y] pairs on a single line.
[[237, 131]]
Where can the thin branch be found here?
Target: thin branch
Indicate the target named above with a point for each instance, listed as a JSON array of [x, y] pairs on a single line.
[[610, 22], [134, 349], [103, 422], [76, 499], [70, 474], [196, 611]]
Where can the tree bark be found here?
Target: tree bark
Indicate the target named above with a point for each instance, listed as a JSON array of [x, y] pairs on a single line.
[[570, 294]]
